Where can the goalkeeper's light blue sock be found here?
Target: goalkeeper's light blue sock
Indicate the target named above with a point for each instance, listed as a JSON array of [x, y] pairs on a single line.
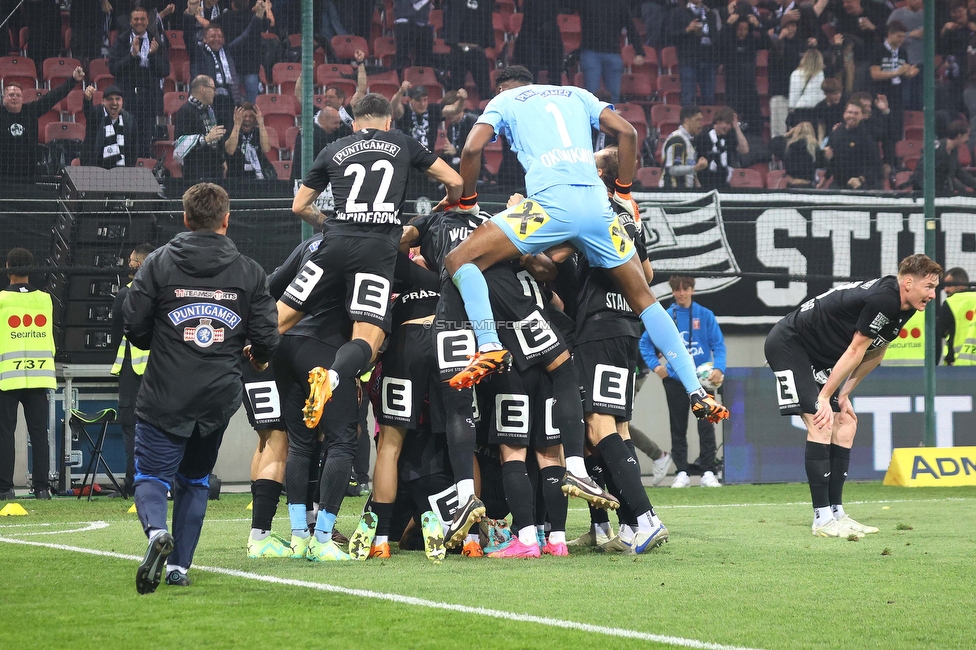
[[299, 524], [323, 526], [666, 338], [474, 291]]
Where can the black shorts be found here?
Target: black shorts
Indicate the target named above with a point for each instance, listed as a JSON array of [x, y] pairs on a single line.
[[522, 326], [409, 379], [295, 356], [607, 370], [359, 268], [261, 401], [520, 406], [454, 341], [798, 383]]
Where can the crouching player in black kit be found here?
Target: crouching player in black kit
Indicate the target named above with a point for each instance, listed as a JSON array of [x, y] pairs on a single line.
[[368, 171], [820, 352], [193, 303]]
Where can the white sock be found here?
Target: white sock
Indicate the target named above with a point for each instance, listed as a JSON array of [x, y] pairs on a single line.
[[488, 347], [822, 516], [575, 466], [257, 534], [644, 524], [155, 532], [527, 536], [838, 511], [333, 379], [381, 539], [603, 528], [465, 490], [557, 537], [472, 537], [626, 534], [173, 567]]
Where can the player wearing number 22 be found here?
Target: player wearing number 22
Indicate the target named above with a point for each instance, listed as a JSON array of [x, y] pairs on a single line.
[[356, 260], [821, 352]]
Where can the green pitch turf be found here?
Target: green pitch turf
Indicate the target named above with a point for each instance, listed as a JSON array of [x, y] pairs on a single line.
[[741, 570]]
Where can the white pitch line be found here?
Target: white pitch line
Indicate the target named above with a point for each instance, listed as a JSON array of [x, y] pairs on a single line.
[[95, 525], [416, 602]]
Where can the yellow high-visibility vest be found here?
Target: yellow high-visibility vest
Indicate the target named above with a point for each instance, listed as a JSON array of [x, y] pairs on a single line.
[[963, 306], [27, 340], [909, 348], [139, 357]]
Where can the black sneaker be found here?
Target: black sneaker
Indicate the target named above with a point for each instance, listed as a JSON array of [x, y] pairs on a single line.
[[590, 491], [177, 578], [464, 519], [705, 407], [149, 572], [43, 495], [9, 495]]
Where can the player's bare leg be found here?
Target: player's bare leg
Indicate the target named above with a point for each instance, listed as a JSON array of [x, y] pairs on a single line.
[[350, 362], [388, 449], [486, 246], [630, 279]]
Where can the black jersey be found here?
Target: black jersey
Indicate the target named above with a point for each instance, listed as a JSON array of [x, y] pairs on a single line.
[[328, 322], [442, 232], [827, 324], [602, 312], [417, 303], [368, 171]]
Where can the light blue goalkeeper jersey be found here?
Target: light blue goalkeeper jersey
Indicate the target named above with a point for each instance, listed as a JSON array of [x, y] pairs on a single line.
[[549, 127]]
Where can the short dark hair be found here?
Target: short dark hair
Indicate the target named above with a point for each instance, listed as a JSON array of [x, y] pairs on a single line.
[[212, 26], [143, 249], [897, 27], [957, 128], [19, 257], [374, 105], [959, 275], [859, 97], [831, 85], [919, 265], [15, 84], [725, 114], [681, 282], [205, 205], [138, 7], [340, 93], [608, 161], [515, 73], [688, 112]]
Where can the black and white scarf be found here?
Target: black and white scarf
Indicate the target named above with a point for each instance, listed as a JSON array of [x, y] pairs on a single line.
[[702, 17], [419, 129], [223, 75], [252, 162], [143, 49], [113, 142]]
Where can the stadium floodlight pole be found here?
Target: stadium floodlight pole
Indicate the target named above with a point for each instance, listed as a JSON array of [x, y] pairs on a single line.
[[308, 79], [928, 153]]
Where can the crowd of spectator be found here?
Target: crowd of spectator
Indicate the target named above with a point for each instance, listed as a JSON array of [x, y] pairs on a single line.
[[814, 90]]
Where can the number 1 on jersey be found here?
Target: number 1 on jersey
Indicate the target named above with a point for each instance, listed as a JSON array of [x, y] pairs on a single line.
[[560, 124]]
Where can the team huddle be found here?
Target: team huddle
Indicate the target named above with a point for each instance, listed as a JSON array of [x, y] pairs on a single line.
[[478, 338]]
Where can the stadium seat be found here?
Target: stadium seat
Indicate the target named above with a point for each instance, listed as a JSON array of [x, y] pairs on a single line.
[[422, 76], [284, 76], [776, 179], [98, 67], [634, 114], [51, 117], [708, 114], [175, 39], [172, 103], [636, 87], [965, 156], [746, 178], [291, 135], [762, 61], [649, 176], [345, 46], [103, 81], [436, 20], [907, 151], [570, 31], [669, 89], [901, 178], [279, 111], [18, 69], [499, 24], [63, 131], [57, 70], [515, 23], [493, 156], [146, 162], [283, 167], [329, 74], [669, 60], [384, 50], [665, 114], [384, 87]]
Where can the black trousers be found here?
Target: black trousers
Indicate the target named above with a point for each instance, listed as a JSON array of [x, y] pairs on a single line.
[[680, 407], [420, 39], [473, 61], [35, 412]]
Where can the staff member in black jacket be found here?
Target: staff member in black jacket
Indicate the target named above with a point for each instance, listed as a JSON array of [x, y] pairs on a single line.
[[192, 304], [110, 131], [139, 61]]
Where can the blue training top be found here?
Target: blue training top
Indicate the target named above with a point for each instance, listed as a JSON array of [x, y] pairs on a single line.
[[549, 127], [700, 332]]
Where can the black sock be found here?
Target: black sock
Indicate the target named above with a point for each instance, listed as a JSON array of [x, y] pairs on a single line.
[[594, 467], [817, 461], [352, 358], [383, 512], [461, 435], [840, 461], [567, 409], [538, 500], [624, 514], [556, 502], [633, 451], [626, 473], [297, 467], [265, 494], [518, 494]]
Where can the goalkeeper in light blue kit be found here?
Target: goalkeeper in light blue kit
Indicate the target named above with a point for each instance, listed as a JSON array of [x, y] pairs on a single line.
[[549, 127]]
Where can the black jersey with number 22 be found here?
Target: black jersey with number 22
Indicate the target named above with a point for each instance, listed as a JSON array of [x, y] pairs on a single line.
[[368, 171]]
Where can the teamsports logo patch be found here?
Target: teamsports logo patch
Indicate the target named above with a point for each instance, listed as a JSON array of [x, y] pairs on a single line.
[[204, 335], [202, 293], [204, 310]]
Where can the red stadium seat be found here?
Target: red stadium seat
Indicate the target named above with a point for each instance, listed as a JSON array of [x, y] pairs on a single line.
[[669, 59], [175, 39], [18, 69], [172, 103], [384, 50], [146, 162], [634, 114], [965, 156], [291, 135], [776, 179], [908, 149], [98, 67], [669, 89], [283, 167], [637, 87], [901, 178], [493, 156], [570, 30], [423, 76], [665, 114], [57, 70], [279, 111], [515, 23], [345, 46], [649, 176], [708, 114], [746, 178], [63, 131], [284, 76]]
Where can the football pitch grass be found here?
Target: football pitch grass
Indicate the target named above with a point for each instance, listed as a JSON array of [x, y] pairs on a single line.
[[741, 571]]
